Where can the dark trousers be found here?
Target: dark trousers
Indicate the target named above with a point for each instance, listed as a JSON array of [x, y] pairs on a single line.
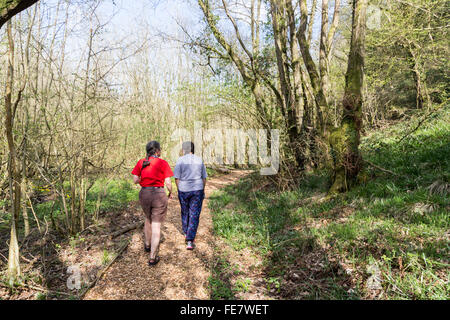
[[191, 206]]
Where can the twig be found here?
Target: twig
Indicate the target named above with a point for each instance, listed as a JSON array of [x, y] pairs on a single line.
[[27, 260], [102, 272], [382, 169], [92, 226], [286, 241], [34, 213], [37, 289], [420, 123], [48, 291]]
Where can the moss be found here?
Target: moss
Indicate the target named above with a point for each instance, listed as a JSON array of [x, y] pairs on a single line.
[[6, 5], [344, 142]]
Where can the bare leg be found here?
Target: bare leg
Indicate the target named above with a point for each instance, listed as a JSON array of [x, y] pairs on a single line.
[[147, 231], [156, 235]]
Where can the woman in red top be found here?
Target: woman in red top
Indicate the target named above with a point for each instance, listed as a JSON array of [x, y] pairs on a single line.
[[152, 173]]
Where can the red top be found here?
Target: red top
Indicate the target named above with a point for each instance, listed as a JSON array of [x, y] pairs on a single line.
[[154, 174]]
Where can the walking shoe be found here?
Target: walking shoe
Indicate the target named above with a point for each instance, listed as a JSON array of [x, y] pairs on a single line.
[[190, 245], [153, 262]]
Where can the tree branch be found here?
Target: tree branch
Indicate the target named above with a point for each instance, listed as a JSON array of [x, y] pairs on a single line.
[[9, 8]]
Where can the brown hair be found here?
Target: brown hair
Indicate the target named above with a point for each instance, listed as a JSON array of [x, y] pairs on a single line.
[[151, 149]]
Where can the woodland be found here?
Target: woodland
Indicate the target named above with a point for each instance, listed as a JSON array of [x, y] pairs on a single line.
[[357, 89]]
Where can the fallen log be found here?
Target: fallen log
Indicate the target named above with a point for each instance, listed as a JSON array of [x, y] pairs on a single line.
[[126, 229], [224, 170]]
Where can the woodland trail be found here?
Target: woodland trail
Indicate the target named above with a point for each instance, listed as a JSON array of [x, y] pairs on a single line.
[[181, 274]]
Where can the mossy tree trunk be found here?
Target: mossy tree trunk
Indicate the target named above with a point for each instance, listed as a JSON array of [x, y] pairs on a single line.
[[344, 141]]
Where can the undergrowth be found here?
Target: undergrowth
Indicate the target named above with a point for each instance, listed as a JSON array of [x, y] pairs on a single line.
[[387, 238]]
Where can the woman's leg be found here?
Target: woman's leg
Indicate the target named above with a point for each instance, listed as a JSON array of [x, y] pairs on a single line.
[[195, 207], [158, 212], [147, 232], [156, 235], [183, 197], [146, 204]]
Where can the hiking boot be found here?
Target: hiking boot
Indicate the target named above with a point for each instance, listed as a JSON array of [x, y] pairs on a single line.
[[190, 245]]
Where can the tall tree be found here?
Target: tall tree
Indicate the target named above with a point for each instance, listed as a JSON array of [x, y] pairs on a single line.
[[9, 8], [13, 168], [289, 73], [344, 141], [319, 94]]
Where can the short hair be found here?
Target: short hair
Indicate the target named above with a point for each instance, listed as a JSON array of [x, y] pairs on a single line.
[[187, 147]]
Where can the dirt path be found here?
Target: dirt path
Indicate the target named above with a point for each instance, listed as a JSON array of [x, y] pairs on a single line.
[[181, 274]]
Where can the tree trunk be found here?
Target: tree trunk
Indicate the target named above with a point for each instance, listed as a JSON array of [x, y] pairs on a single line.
[[323, 57], [13, 172], [310, 65], [283, 23], [344, 141], [420, 86], [26, 221]]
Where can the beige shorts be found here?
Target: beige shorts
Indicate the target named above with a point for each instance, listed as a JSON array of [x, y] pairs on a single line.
[[154, 204]]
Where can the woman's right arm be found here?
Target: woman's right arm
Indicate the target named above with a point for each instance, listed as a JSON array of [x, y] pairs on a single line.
[[136, 179], [136, 173]]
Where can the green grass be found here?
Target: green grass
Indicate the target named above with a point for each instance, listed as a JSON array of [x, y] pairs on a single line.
[[211, 172], [219, 280], [119, 192], [392, 222], [106, 258]]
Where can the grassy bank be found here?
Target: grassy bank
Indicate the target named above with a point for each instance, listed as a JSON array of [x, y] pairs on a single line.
[[387, 238]]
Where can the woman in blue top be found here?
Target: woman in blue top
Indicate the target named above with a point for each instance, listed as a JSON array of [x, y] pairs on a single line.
[[190, 177]]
